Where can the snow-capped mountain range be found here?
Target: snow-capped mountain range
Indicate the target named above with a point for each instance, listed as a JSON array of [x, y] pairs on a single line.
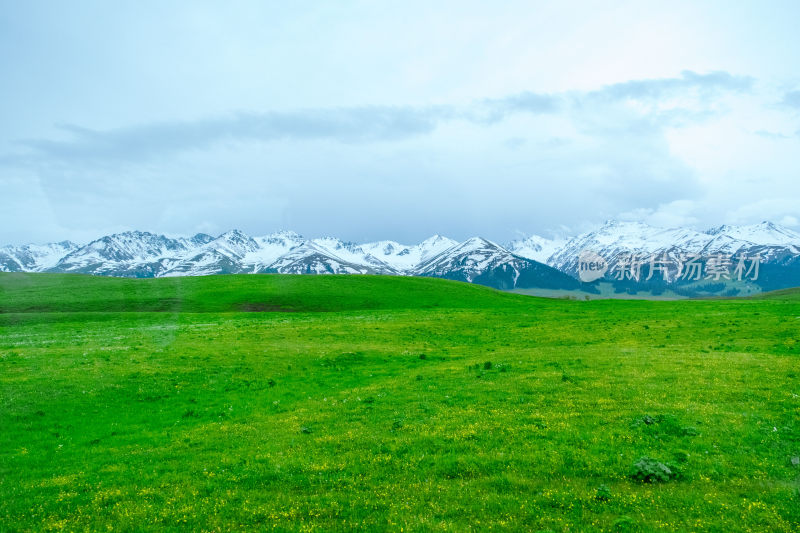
[[614, 239], [530, 262]]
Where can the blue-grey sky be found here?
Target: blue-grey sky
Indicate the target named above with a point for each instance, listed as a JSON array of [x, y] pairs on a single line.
[[395, 120]]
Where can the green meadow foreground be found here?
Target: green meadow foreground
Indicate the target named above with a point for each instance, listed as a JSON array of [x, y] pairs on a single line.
[[331, 403]]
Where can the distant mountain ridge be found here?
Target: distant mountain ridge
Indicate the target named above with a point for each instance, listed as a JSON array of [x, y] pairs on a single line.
[[776, 247], [615, 238], [531, 262], [145, 254]]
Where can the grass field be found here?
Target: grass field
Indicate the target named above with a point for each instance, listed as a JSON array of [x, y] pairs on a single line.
[[331, 403]]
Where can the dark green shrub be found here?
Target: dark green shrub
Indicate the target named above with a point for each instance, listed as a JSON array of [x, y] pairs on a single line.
[[649, 470], [602, 493], [623, 523], [664, 426]]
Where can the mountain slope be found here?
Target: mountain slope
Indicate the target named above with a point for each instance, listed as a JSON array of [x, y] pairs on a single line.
[[478, 260], [615, 240], [764, 233], [535, 247], [130, 254], [310, 258], [34, 257], [353, 254], [402, 257], [270, 249], [223, 255]]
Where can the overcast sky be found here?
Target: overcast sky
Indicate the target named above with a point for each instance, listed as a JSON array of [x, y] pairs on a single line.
[[395, 120]]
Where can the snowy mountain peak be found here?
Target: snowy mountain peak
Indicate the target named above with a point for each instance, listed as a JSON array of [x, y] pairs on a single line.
[[131, 245], [285, 239], [436, 243], [477, 242], [436, 239], [402, 257], [284, 234], [763, 233], [235, 235], [479, 260], [470, 256], [34, 257], [233, 243], [315, 257], [385, 247], [536, 247], [333, 242], [717, 230], [199, 239]]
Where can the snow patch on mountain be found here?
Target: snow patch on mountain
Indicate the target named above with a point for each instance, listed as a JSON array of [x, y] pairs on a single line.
[[122, 252], [34, 257], [479, 260], [271, 248], [311, 258], [615, 239], [764, 233], [403, 257], [536, 247]]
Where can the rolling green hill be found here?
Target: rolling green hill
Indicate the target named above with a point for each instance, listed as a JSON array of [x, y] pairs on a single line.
[[782, 294], [299, 403], [226, 293]]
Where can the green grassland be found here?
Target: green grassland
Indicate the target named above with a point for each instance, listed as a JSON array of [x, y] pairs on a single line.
[[301, 403]]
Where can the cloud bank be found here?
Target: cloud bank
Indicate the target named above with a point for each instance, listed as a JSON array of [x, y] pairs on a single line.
[[484, 119]]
